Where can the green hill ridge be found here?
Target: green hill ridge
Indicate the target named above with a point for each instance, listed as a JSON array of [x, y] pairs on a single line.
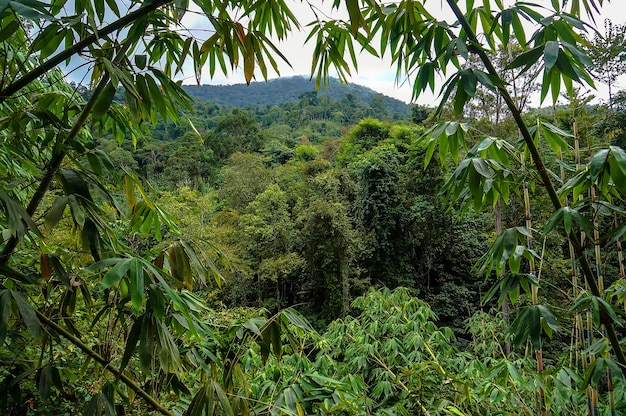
[[280, 90]]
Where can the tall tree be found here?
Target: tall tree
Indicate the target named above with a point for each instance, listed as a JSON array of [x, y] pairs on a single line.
[[607, 53]]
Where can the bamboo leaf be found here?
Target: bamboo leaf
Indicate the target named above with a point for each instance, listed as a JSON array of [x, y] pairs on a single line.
[[468, 79], [28, 314], [597, 163], [5, 313], [103, 102], [77, 212], [277, 345], [146, 345], [17, 218], [248, 58], [129, 186], [136, 278], [141, 61], [554, 138], [527, 59], [620, 157], [116, 272], [55, 213], [33, 10], [223, 399]]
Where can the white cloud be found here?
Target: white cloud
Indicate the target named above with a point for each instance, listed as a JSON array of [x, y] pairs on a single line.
[[375, 73]]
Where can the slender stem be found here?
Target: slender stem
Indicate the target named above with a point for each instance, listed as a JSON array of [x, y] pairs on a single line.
[[497, 210], [105, 364], [78, 47], [545, 178]]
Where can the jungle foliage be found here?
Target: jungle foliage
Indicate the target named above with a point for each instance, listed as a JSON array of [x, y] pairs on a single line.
[[165, 256]]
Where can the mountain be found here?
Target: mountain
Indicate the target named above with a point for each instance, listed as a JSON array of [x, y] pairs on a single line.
[[280, 90]]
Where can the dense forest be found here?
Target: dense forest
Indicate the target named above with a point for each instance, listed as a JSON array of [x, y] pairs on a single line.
[[279, 249], [314, 201], [281, 90]]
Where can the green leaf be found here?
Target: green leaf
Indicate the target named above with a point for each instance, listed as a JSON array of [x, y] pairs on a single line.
[[136, 278], [17, 218], [530, 323], [113, 7], [554, 137], [10, 28], [77, 212], [129, 186], [595, 372], [486, 80], [620, 157], [294, 318], [550, 322], [597, 163], [141, 61], [179, 264], [555, 84], [46, 377], [147, 343], [55, 213], [567, 220], [91, 238], [5, 312], [131, 342], [468, 79], [527, 59], [31, 10], [156, 301], [518, 28], [103, 102], [223, 399], [248, 58], [116, 272], [277, 344], [460, 98], [74, 184], [28, 314]]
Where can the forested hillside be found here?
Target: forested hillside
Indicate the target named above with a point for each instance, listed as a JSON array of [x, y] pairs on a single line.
[[163, 253], [281, 90]]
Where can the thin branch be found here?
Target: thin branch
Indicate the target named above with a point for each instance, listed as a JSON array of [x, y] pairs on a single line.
[[78, 47], [105, 364]]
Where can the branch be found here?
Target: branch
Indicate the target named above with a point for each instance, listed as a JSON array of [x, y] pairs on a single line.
[[105, 364], [78, 47]]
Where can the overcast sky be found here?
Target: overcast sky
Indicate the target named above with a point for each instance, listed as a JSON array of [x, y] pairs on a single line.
[[372, 72]]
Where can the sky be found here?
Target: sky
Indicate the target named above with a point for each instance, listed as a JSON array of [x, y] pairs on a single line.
[[377, 74]]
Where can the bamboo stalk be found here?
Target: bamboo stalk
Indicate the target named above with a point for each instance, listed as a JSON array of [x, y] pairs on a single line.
[[544, 175], [588, 358], [620, 256], [497, 211], [576, 347], [534, 288], [599, 272], [587, 332]]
